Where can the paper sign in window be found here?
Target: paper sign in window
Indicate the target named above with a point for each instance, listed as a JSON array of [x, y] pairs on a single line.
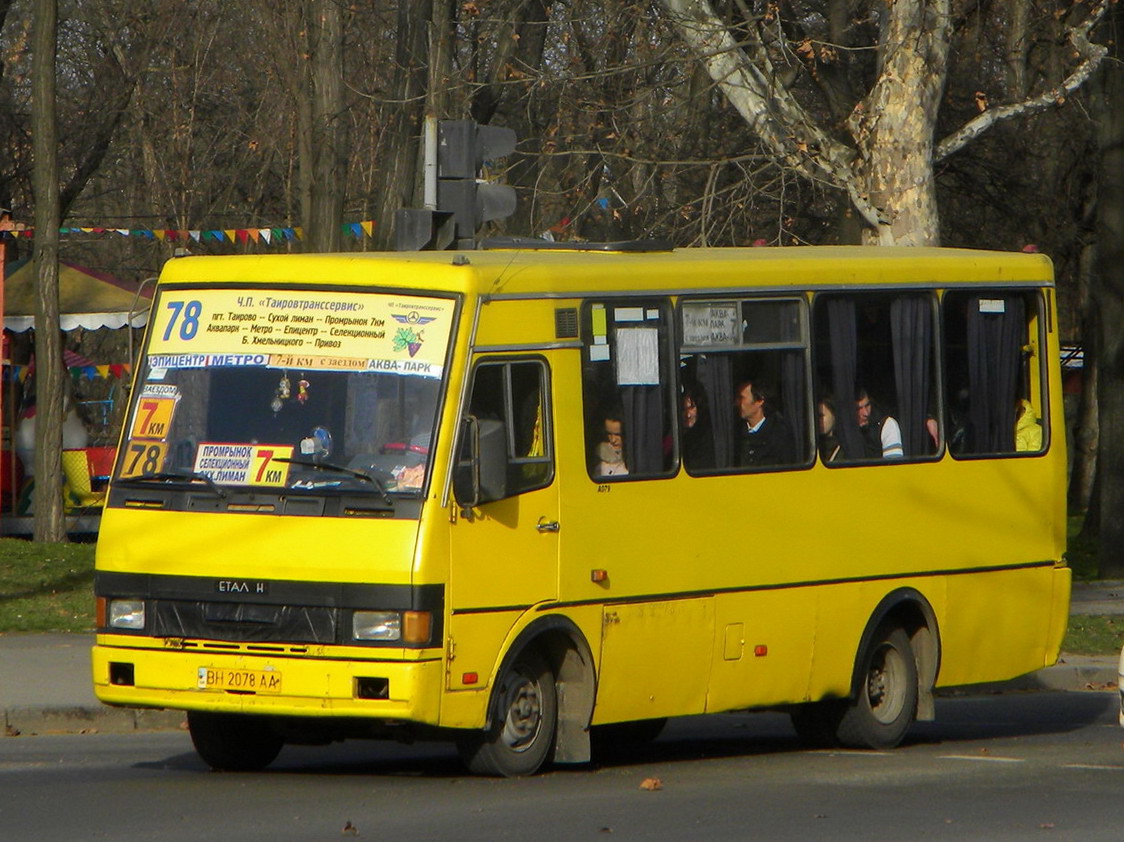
[[638, 356]]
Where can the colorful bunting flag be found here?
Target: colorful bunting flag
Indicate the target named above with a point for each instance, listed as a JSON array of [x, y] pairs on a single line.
[[269, 236]]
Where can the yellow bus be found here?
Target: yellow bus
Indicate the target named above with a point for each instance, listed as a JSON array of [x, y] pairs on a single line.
[[518, 497]]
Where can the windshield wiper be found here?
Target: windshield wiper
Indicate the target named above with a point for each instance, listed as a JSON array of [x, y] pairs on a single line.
[[183, 476], [340, 469]]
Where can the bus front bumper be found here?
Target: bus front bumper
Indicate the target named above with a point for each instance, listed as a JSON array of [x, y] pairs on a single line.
[[332, 682]]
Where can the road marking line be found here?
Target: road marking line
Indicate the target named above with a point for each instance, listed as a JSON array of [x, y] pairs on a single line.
[[1093, 766], [983, 759], [832, 752]]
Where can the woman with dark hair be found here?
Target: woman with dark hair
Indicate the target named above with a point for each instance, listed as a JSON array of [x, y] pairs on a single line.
[[825, 429], [698, 440]]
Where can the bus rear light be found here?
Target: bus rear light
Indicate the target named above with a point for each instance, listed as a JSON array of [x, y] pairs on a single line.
[[760, 650]]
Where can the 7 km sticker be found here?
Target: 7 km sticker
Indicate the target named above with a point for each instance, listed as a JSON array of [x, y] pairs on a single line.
[[153, 418]]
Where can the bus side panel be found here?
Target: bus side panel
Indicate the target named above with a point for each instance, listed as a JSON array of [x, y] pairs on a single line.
[[1001, 625], [655, 660], [763, 647]]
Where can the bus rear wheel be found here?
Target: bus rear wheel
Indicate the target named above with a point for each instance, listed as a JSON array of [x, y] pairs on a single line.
[[233, 742], [523, 721], [886, 704]]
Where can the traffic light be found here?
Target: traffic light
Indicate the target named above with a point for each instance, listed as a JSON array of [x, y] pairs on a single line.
[[464, 201]]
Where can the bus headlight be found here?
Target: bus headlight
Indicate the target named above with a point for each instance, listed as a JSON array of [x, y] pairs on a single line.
[[376, 625], [126, 614], [414, 627]]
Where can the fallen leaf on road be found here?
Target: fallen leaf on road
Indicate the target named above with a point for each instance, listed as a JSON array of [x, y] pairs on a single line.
[[349, 830], [651, 784]]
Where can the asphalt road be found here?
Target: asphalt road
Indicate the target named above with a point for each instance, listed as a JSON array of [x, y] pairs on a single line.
[[1046, 766]]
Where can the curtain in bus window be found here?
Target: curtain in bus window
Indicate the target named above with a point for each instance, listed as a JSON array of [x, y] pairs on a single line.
[[844, 373], [996, 332], [643, 424], [713, 374], [911, 326], [793, 395]]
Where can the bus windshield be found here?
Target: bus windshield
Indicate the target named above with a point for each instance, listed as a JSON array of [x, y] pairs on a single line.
[[342, 394]]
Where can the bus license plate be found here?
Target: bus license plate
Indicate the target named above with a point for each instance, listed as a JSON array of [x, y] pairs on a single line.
[[245, 681]]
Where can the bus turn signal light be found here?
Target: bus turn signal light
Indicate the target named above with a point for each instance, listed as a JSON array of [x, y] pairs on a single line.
[[416, 626]]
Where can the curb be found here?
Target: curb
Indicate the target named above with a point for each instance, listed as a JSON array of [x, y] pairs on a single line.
[[78, 719], [1070, 678]]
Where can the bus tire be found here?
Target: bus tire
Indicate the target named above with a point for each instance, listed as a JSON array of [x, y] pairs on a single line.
[[885, 705], [233, 742], [523, 721]]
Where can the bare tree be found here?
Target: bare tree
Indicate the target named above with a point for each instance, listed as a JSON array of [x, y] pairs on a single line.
[[885, 165]]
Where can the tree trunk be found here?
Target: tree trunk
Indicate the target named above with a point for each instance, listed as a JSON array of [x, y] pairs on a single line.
[[328, 164], [893, 128], [1109, 296], [397, 182], [50, 523]]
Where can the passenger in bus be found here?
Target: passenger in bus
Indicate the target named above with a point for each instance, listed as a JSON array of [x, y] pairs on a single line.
[[765, 438], [934, 431], [698, 443], [1028, 432], [882, 437], [610, 452], [828, 441]]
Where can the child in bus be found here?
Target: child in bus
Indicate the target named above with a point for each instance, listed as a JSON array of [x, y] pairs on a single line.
[[610, 452]]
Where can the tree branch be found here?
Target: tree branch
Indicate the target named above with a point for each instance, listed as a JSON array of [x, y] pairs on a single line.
[[1092, 55], [747, 78]]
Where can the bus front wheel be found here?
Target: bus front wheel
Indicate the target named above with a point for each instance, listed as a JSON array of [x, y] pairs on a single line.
[[886, 703], [233, 742], [523, 721]]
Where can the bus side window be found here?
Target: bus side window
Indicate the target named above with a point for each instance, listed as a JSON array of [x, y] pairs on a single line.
[[876, 384], [994, 383], [627, 397], [743, 367], [510, 398]]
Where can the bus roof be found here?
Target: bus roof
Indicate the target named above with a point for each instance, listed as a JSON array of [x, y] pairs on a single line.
[[564, 273]]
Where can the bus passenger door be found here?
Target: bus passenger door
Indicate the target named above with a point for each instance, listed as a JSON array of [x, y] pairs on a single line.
[[504, 549]]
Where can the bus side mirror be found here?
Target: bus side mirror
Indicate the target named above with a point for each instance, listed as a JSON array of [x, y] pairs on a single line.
[[481, 472]]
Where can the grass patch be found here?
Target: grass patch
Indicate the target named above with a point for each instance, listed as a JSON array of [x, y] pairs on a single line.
[[1094, 635], [46, 587]]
